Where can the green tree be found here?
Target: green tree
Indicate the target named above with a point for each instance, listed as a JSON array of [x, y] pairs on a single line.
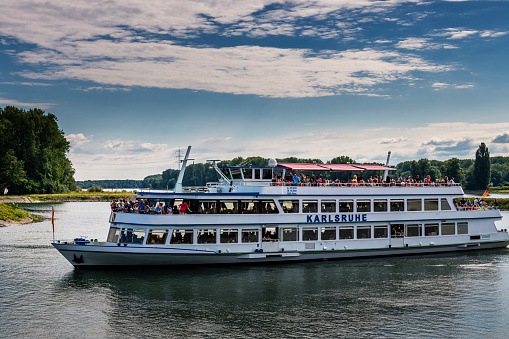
[[13, 175], [34, 139], [420, 169], [481, 173], [452, 169]]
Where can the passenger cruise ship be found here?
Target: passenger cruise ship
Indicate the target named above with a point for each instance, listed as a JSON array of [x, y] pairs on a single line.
[[248, 218]]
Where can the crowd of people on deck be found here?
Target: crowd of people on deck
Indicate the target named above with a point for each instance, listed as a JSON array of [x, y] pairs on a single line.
[[146, 207], [476, 204], [294, 179]]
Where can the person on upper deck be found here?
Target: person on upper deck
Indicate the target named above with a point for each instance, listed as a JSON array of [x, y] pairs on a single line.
[[184, 208], [296, 179]]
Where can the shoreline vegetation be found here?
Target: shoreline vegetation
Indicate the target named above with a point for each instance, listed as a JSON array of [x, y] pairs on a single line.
[[68, 197], [12, 214]]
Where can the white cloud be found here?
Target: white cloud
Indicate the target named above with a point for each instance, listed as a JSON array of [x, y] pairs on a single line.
[[117, 159], [111, 46], [13, 102], [421, 44], [394, 140], [462, 33], [77, 141], [501, 138]]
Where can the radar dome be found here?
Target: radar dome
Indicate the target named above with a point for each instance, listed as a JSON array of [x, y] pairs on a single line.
[[272, 162]]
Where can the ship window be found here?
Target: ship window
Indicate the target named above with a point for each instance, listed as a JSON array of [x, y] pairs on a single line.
[[328, 233], [157, 237], [414, 205], [270, 233], [431, 204], [363, 232], [228, 207], [207, 207], [346, 233], [268, 206], [248, 173], [249, 206], [229, 236], [267, 174], [249, 235], [380, 205], [206, 236], [413, 230], [397, 205], [363, 205], [113, 234], [132, 236], [430, 229], [448, 228], [444, 205], [182, 237], [328, 206], [257, 173], [345, 206], [463, 228], [290, 206], [309, 234], [236, 173], [309, 206], [290, 234], [381, 232]]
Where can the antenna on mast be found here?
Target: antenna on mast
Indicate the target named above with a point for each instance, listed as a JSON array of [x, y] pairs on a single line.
[[178, 158]]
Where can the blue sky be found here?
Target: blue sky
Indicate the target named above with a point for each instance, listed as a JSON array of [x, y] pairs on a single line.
[[130, 81]]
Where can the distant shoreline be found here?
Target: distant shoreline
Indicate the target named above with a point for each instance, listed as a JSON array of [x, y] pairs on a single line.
[[67, 197]]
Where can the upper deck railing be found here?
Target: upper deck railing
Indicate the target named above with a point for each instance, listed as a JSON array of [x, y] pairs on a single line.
[[337, 184]]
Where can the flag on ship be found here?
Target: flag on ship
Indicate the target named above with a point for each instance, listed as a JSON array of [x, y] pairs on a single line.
[[486, 193]]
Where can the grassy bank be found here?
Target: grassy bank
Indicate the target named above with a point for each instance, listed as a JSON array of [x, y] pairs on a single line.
[[11, 213]]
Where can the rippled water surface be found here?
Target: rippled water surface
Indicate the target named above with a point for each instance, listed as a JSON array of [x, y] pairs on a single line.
[[464, 295]]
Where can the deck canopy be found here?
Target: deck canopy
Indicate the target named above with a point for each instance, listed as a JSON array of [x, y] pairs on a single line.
[[375, 167], [303, 167], [334, 168]]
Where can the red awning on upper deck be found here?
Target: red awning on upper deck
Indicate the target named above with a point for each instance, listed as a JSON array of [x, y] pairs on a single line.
[[341, 168], [303, 167], [334, 167], [374, 167]]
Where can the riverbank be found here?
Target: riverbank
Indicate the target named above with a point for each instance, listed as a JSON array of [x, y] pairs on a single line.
[[68, 197], [11, 214]]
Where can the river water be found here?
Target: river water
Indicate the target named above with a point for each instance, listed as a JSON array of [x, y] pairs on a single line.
[[463, 295]]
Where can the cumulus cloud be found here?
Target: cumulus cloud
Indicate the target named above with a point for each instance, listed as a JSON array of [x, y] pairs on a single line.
[[501, 138], [77, 141]]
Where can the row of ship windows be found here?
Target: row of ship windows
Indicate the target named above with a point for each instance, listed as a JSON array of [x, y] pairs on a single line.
[[315, 206], [220, 236]]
